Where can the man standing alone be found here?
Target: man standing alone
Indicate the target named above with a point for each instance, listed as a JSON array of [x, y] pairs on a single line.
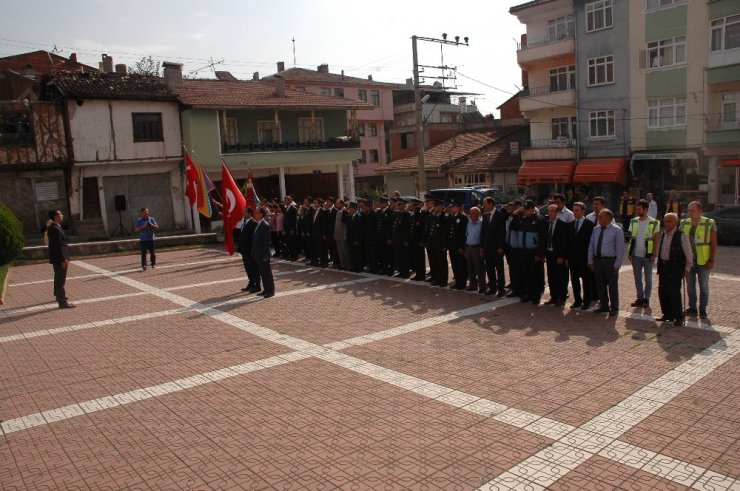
[[146, 226], [59, 257]]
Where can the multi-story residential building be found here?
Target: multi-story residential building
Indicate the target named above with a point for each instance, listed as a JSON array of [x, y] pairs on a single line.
[[667, 71], [126, 147], [369, 125], [722, 101], [294, 141]]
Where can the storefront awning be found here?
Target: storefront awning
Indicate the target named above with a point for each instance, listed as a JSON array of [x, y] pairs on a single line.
[[662, 156], [536, 172], [601, 170], [731, 163]]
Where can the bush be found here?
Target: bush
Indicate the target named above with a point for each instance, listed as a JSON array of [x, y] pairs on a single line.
[[11, 235]]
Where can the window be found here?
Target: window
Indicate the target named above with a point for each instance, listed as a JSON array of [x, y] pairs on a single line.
[[375, 98], [407, 140], [667, 52], [667, 112], [362, 94], [730, 109], [361, 129], [563, 78], [560, 28], [363, 159], [325, 90], [599, 15], [564, 128], [601, 124], [15, 129], [726, 33], [308, 132], [300, 88], [373, 129], [147, 127], [231, 131], [445, 118], [472, 179], [656, 4], [339, 92], [267, 132], [601, 70], [373, 155]]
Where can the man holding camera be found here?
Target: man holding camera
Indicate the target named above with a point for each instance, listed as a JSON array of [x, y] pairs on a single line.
[[146, 226]]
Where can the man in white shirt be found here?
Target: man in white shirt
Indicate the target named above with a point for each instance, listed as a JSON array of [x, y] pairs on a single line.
[[643, 237], [652, 206], [564, 214]]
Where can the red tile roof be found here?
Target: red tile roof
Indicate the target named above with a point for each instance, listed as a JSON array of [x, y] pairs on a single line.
[[451, 150], [293, 75], [257, 94], [495, 156], [42, 62], [111, 86]]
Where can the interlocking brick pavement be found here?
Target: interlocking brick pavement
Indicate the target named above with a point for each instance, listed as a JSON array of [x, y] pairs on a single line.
[[174, 379]]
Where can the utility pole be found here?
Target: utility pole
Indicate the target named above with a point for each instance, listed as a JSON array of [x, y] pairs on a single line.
[[419, 134]]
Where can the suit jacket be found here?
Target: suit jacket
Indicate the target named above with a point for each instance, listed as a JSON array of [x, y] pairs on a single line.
[[244, 246], [559, 239], [261, 241], [319, 225], [578, 242], [493, 234], [356, 228], [58, 248], [290, 218], [385, 224]]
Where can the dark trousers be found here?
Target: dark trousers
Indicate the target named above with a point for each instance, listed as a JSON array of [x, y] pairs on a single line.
[[429, 249], [401, 258], [60, 278], [441, 269], [385, 255], [418, 261], [607, 282], [579, 273], [265, 274], [533, 273], [319, 252], [557, 277], [516, 272], [495, 269], [476, 268], [669, 294], [276, 241], [250, 267], [371, 255], [357, 256], [459, 268], [147, 245], [292, 244]]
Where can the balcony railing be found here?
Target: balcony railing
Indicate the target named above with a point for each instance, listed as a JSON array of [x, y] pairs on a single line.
[[533, 43], [330, 144], [562, 142], [543, 90]]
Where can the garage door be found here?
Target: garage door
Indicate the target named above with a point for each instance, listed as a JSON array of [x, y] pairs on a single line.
[[152, 191]]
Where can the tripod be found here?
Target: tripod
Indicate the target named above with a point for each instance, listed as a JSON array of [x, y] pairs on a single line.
[[120, 229]]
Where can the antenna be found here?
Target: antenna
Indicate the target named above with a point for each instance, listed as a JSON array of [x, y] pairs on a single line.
[[211, 65], [293, 51]]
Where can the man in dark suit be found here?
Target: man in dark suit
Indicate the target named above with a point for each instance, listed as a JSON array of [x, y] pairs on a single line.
[[59, 257], [244, 246], [458, 222], [675, 260], [494, 239], [579, 236], [355, 220], [385, 230], [319, 219], [371, 236], [556, 252], [261, 252], [400, 236], [290, 226]]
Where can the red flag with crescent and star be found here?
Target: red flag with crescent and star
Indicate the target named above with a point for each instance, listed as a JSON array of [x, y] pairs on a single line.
[[234, 204], [191, 180], [250, 193]]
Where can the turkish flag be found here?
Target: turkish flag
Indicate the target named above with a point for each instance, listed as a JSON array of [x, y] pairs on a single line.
[[191, 179], [234, 204]]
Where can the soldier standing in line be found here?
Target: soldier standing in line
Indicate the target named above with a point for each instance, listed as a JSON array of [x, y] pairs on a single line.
[[385, 228], [437, 237], [400, 234], [532, 228], [417, 240], [456, 245]]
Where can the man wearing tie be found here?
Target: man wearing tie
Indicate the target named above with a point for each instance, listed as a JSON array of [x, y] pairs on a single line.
[[244, 246], [580, 230], [494, 238], [605, 253], [556, 254], [261, 253]]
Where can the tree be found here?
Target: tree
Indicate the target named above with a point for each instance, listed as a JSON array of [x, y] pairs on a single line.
[[147, 66], [11, 235]]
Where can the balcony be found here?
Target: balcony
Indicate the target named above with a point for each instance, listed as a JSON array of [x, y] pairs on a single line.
[[537, 98], [723, 133], [288, 146], [547, 48], [551, 149]]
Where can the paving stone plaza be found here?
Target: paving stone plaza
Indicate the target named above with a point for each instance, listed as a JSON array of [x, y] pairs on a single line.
[[175, 379]]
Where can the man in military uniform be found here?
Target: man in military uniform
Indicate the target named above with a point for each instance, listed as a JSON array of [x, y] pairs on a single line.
[[370, 244], [385, 229], [400, 235], [355, 222], [427, 219], [437, 242], [514, 248], [417, 240], [456, 245], [532, 229]]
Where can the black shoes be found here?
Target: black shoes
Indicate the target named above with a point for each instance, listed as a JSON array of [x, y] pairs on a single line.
[[576, 305], [266, 294], [613, 313], [601, 310], [665, 318], [67, 305], [586, 306]]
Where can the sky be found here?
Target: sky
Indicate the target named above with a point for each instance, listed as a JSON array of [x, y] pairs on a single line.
[[242, 37]]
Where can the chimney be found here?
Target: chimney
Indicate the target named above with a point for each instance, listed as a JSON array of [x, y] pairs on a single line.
[[256, 76], [73, 57], [342, 73], [370, 77], [462, 104], [323, 68], [172, 74], [281, 66], [121, 69], [227, 76], [279, 86], [107, 64]]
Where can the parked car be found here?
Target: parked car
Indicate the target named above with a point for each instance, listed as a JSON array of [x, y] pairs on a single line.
[[466, 196], [728, 224]]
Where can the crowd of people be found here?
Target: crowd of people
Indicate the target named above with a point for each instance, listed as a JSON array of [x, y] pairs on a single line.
[[553, 246]]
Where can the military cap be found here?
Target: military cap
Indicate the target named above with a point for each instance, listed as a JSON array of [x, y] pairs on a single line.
[[352, 204], [429, 197], [383, 198], [529, 204], [399, 200], [330, 198], [415, 200], [455, 203], [439, 202]]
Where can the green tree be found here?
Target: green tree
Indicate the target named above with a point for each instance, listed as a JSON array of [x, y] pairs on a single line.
[[147, 66], [11, 235]]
